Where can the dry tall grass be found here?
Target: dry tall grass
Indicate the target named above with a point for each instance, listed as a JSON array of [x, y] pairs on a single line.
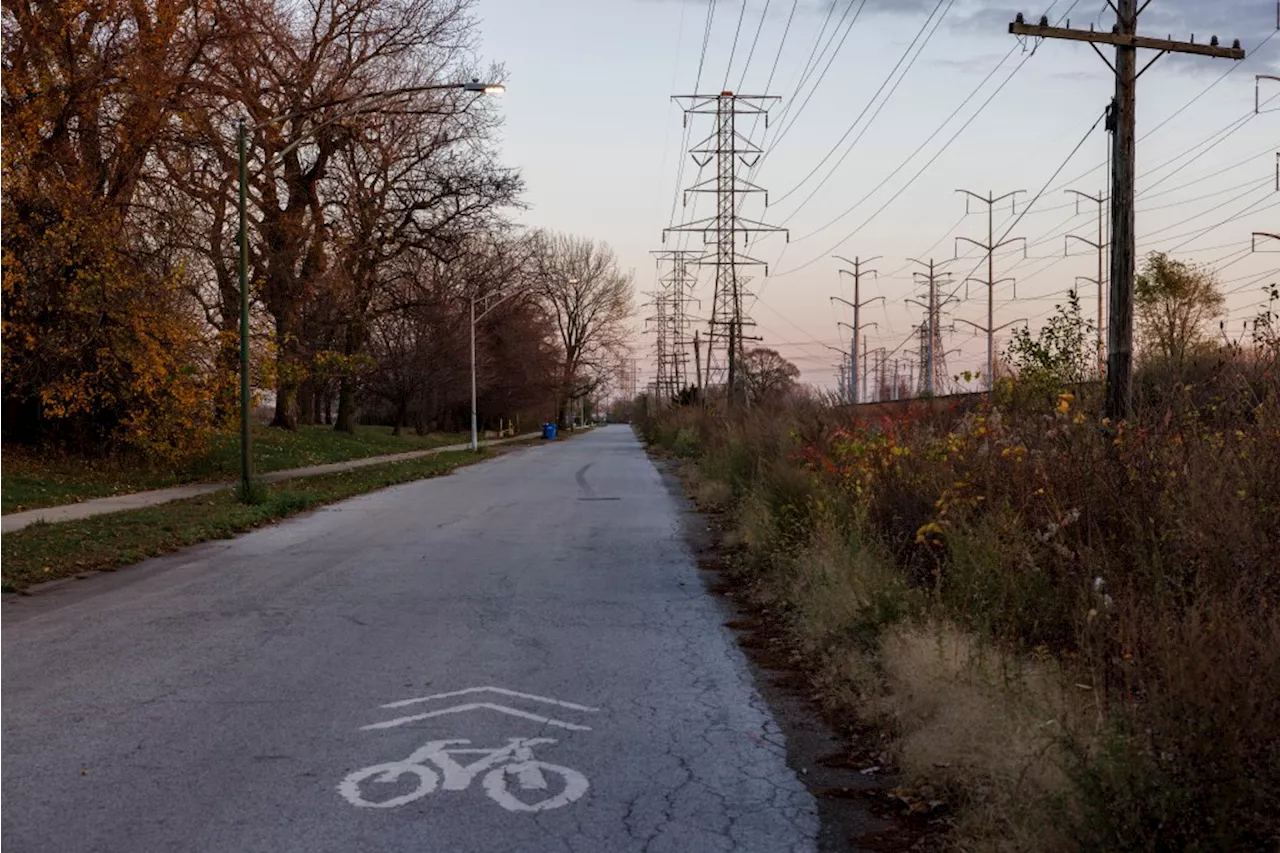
[[1071, 624]]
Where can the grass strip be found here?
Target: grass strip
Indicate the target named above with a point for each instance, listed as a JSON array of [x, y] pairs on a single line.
[[45, 551], [33, 480]]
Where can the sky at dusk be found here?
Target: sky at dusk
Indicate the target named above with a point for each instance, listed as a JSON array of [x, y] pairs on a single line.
[[886, 108]]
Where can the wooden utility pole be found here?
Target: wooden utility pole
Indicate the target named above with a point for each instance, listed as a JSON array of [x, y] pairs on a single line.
[[990, 247], [1122, 123]]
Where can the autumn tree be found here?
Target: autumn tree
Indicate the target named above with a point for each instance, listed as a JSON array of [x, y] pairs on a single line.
[[100, 345], [767, 375], [1174, 301], [589, 300]]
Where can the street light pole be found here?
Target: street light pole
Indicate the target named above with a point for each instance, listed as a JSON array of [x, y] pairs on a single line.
[[475, 439], [246, 456]]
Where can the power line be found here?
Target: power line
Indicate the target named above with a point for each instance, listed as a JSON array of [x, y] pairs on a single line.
[[763, 14], [742, 13], [790, 118], [912, 156], [867, 107], [706, 38], [1052, 178]]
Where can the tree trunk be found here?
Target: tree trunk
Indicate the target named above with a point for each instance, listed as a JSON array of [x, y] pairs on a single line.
[[306, 402], [401, 411], [347, 407], [227, 399], [287, 370]]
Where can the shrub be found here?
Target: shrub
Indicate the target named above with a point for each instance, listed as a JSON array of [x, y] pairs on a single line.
[[1141, 560]]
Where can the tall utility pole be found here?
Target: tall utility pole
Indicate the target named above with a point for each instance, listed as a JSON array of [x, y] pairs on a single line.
[[857, 272], [678, 279], [990, 248], [697, 362], [931, 357], [865, 395], [1122, 122], [1101, 247], [842, 375], [857, 366], [729, 149]]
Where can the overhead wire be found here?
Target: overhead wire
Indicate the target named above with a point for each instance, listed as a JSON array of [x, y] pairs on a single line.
[[912, 156], [1033, 201], [874, 97], [764, 13], [788, 121], [728, 70]]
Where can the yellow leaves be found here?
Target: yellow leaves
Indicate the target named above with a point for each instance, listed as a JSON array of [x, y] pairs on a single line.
[[1064, 402], [924, 534]]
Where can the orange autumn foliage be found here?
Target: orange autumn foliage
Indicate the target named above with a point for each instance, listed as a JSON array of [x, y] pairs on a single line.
[[100, 349]]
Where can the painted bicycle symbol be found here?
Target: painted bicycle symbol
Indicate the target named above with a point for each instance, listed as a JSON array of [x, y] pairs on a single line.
[[501, 767]]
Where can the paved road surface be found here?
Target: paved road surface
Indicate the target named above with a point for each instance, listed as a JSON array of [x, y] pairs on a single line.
[[227, 698]]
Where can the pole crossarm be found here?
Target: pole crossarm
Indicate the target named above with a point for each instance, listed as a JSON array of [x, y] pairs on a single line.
[[991, 248], [857, 304], [1019, 28], [858, 261], [981, 328], [990, 200], [1266, 235], [1066, 248]]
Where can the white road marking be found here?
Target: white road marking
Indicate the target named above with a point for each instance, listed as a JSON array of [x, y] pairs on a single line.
[[500, 767], [475, 706], [501, 690]]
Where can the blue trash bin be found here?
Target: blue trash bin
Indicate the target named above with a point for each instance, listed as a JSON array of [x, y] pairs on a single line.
[[549, 432]]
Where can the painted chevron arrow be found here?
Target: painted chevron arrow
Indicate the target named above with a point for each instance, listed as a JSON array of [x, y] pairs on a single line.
[[487, 706]]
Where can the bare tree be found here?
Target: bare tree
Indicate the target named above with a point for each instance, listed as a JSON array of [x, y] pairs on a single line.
[[429, 182], [767, 374], [589, 300], [303, 63]]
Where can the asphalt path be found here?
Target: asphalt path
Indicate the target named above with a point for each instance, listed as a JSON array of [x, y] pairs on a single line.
[[519, 656]]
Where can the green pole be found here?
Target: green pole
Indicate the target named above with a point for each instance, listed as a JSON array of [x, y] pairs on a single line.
[[246, 457]]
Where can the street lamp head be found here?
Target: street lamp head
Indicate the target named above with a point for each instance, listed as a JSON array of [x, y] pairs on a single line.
[[484, 88]]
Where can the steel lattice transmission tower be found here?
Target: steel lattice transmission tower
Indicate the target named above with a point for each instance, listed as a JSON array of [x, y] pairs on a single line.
[[729, 150], [659, 323], [677, 275]]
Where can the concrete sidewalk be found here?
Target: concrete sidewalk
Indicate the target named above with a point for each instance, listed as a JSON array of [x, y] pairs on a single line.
[[137, 500]]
